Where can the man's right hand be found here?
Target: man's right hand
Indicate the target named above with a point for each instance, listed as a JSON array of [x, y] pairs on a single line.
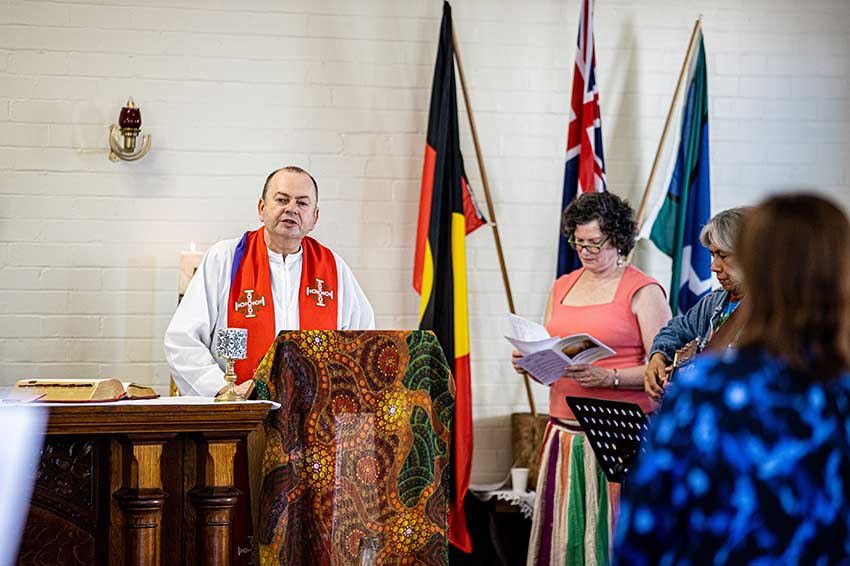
[[655, 377], [243, 388]]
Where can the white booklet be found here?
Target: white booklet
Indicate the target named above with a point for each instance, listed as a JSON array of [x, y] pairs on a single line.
[[545, 356]]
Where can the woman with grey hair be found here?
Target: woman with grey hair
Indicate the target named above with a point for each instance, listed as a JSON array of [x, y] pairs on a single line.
[[709, 324]]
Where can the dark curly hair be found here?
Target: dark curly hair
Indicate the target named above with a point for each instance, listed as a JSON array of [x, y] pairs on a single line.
[[616, 218]]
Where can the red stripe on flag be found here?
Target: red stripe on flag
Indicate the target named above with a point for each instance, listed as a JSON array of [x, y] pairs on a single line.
[[585, 117], [471, 214], [424, 221], [462, 448]]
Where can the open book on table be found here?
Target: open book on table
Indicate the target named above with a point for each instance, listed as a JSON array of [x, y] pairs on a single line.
[[79, 390], [545, 356]]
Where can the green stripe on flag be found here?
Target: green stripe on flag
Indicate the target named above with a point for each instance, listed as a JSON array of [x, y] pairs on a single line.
[[664, 229], [669, 227]]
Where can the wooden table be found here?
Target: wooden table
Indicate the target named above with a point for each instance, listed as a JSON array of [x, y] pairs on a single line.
[[138, 483]]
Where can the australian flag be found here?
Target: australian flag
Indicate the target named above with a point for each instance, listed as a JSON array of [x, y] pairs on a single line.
[[585, 170]]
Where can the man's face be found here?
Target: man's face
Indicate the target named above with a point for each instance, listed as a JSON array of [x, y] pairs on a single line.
[[725, 268], [289, 208]]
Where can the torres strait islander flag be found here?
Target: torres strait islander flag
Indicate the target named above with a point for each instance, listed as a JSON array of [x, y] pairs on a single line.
[[447, 212], [585, 169], [686, 207]]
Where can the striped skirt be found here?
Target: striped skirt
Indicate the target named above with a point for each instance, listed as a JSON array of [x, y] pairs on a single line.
[[575, 507]]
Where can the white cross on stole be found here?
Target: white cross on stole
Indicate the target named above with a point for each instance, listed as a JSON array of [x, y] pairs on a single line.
[[247, 306], [320, 293]]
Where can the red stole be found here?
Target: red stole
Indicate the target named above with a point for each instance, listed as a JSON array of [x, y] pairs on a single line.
[[251, 304]]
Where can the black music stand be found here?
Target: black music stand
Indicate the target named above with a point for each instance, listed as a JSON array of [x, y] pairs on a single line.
[[615, 431]]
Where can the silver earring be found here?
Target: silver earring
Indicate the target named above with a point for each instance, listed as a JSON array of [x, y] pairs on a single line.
[[621, 260]]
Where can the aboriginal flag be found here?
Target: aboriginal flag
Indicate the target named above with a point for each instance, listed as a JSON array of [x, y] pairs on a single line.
[[447, 212]]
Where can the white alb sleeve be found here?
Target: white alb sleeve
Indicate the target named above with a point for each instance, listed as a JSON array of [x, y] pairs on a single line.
[[355, 311], [189, 337]]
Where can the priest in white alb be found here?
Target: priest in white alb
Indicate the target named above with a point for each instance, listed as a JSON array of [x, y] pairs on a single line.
[[271, 279]]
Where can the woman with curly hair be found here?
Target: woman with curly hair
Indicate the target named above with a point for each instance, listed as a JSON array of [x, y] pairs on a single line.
[[624, 308]]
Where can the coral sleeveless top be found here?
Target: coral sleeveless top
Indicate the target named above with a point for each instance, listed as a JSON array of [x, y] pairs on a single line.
[[612, 323]]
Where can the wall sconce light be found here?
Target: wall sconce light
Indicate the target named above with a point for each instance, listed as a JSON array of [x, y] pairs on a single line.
[[129, 126]]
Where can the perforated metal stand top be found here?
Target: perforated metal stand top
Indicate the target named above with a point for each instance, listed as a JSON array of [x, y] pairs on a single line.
[[615, 431]]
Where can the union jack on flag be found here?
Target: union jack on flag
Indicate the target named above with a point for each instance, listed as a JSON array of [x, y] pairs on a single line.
[[585, 169]]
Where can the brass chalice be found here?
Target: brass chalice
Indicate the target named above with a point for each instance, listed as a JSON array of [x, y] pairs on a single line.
[[232, 346]]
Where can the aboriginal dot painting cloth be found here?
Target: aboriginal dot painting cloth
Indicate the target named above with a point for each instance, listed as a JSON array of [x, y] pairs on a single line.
[[357, 457]]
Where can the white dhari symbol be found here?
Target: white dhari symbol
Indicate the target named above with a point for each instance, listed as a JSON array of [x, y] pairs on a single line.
[[247, 306], [320, 293]]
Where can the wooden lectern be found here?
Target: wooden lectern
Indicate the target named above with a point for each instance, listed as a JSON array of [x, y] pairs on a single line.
[[137, 483]]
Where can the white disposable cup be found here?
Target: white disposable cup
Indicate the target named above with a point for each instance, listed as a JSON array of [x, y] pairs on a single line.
[[519, 479]]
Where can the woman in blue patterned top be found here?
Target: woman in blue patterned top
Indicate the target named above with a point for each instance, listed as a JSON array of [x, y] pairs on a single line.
[[748, 461]]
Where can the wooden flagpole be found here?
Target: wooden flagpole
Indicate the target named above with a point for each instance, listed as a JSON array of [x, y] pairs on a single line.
[[643, 202], [490, 209]]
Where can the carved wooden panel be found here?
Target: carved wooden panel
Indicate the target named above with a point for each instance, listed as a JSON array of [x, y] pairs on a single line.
[[62, 526], [49, 541], [67, 479]]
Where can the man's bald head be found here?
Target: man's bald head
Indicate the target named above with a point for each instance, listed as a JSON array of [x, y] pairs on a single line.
[[289, 169]]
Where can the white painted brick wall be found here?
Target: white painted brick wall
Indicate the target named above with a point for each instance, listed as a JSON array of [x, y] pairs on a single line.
[[229, 91]]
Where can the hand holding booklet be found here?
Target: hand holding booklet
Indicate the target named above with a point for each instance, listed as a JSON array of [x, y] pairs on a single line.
[[545, 356]]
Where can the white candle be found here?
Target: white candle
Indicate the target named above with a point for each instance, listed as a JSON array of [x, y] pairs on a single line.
[[189, 262]]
